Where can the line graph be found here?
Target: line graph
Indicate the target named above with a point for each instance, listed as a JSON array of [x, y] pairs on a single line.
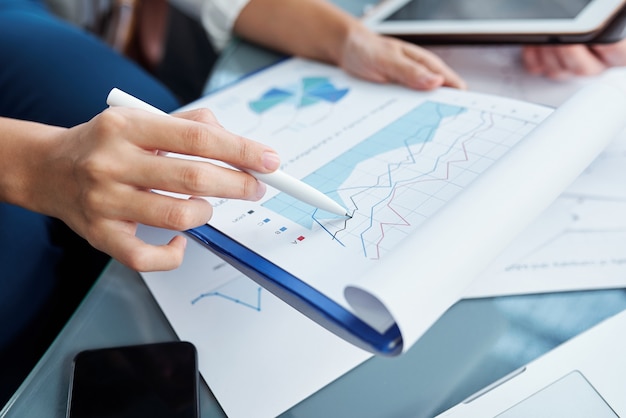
[[393, 157], [402, 174], [586, 233], [240, 291], [578, 243]]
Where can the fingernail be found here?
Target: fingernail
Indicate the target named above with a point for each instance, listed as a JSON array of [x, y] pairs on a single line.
[[613, 59], [430, 80], [430, 77], [260, 190], [271, 160]]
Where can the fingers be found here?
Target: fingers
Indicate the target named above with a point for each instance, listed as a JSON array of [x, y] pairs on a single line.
[[531, 60], [141, 256], [195, 138], [412, 66], [190, 177], [199, 115], [428, 66], [196, 134], [385, 59], [109, 168], [168, 207], [156, 209], [577, 60], [562, 61], [613, 55]]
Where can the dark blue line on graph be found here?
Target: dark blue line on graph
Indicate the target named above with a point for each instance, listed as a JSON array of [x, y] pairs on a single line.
[[421, 123], [327, 231]]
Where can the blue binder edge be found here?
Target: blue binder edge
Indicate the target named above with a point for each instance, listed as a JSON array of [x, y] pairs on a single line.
[[300, 295]]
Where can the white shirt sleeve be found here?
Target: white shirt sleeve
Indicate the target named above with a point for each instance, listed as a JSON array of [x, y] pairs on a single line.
[[217, 17]]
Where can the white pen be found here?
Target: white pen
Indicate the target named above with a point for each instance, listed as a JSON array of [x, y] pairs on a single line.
[[277, 179]]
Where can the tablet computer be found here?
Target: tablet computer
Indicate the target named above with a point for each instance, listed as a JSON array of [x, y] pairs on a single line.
[[494, 21]]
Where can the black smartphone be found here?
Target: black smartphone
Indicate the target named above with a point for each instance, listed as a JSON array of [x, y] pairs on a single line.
[[147, 380]]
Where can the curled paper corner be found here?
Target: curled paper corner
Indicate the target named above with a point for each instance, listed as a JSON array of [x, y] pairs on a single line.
[[374, 313]]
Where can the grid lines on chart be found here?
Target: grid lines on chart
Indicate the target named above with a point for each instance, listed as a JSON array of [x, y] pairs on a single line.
[[405, 172]]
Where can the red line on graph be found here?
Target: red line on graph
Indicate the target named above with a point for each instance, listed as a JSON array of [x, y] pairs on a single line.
[[404, 222]]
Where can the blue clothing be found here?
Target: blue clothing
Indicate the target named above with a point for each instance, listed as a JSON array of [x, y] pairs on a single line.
[[55, 73]]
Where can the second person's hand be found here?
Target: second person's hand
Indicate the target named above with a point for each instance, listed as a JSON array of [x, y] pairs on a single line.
[[565, 61], [383, 59], [321, 31]]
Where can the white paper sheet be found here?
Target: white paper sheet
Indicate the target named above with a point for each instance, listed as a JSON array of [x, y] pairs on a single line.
[[274, 358], [414, 169], [578, 243], [258, 355], [458, 242], [560, 251]]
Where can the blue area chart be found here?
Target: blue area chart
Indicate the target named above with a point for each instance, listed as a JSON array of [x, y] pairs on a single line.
[[415, 127], [395, 178], [402, 174], [310, 91]]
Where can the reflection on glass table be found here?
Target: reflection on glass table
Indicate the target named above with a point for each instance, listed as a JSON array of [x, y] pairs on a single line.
[[474, 344]]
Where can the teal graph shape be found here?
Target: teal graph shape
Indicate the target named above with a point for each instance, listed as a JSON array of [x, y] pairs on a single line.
[[310, 91], [419, 125]]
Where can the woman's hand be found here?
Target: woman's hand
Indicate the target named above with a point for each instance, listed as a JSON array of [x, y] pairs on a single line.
[[382, 59], [564, 61], [322, 31], [98, 178]]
